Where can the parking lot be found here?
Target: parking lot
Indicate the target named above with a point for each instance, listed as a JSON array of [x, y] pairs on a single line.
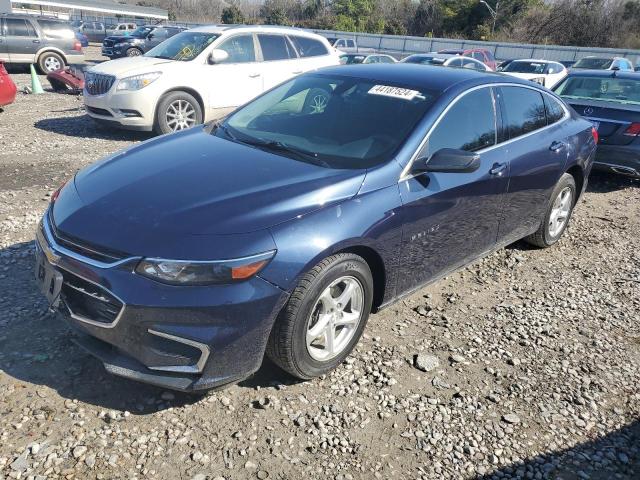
[[533, 358]]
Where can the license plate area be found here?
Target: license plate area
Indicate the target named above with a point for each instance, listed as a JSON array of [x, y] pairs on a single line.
[[49, 279]]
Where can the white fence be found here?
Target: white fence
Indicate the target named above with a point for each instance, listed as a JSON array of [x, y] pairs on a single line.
[[401, 46]]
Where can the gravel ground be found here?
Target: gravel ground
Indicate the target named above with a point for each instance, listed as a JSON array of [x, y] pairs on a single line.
[[524, 365]]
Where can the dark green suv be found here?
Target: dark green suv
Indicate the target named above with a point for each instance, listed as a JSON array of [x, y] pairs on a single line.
[[48, 42]]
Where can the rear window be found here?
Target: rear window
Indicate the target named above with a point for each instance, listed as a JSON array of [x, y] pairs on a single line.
[[610, 89], [309, 47], [524, 110], [275, 47], [520, 66]]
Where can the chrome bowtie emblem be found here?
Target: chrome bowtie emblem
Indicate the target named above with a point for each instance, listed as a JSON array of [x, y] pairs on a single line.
[[588, 111]]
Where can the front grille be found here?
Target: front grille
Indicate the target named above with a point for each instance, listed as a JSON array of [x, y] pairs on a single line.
[[81, 248], [88, 301], [99, 111], [97, 83], [107, 43]]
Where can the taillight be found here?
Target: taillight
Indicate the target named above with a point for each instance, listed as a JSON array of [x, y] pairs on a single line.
[[633, 130], [77, 46], [594, 132]]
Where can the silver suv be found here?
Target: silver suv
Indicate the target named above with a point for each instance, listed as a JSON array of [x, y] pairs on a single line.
[[46, 41]]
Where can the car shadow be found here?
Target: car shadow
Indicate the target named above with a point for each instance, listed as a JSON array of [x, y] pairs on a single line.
[[83, 126], [614, 455], [37, 348], [603, 182]]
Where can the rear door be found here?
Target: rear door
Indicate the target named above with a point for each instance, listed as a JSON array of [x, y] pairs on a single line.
[[312, 53], [280, 60], [22, 41], [537, 151]]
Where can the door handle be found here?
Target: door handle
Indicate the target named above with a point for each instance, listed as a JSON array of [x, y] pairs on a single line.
[[35, 41], [254, 75], [498, 169], [556, 146]]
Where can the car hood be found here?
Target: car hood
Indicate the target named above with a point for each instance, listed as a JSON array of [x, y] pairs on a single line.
[[127, 65], [194, 183], [122, 38]]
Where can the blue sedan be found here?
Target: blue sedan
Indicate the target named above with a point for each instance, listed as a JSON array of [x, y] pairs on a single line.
[[181, 261]]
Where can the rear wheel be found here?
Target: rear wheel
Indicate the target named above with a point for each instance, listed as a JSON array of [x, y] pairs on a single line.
[[177, 111], [324, 317], [558, 213], [50, 62]]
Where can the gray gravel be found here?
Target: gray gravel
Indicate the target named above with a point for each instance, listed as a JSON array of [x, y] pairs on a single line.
[[532, 359]]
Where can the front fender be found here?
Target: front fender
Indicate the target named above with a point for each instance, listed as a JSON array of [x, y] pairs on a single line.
[[367, 220]]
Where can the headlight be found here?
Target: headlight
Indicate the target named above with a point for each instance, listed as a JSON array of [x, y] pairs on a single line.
[[137, 81], [184, 272], [539, 80]]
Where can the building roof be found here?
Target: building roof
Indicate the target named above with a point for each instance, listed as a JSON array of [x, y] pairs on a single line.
[[99, 6]]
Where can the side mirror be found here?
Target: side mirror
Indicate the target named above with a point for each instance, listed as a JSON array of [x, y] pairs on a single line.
[[218, 56], [150, 36], [448, 160]]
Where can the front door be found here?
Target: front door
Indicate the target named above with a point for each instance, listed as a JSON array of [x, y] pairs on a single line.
[[4, 53], [21, 40], [452, 218], [238, 79]]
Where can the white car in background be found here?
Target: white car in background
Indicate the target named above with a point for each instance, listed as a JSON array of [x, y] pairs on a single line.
[[200, 75], [545, 72]]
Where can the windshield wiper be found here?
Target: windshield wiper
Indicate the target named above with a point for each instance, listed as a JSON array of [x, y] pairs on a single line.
[[275, 146]]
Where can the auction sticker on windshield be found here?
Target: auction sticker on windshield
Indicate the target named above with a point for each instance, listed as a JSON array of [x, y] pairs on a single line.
[[395, 92]]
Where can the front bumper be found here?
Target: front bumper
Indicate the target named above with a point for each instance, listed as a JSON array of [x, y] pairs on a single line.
[[129, 110], [622, 159], [182, 338]]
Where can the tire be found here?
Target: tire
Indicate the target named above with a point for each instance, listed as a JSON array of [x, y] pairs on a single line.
[[169, 105], [288, 346], [550, 232], [50, 62], [133, 52], [316, 101]]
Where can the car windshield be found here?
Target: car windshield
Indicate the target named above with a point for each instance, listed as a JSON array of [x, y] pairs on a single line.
[[525, 67], [141, 32], [331, 121], [593, 63], [184, 46], [610, 89], [351, 59]]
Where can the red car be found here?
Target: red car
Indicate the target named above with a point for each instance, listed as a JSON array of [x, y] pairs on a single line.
[[481, 54], [7, 87]]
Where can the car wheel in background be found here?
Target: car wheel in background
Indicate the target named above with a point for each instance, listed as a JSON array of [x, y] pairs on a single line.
[[558, 214], [133, 52], [324, 317], [50, 62], [177, 111], [316, 101]]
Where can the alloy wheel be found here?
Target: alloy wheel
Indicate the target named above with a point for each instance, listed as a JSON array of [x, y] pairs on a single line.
[[133, 52], [335, 318], [51, 64], [180, 115], [560, 211]]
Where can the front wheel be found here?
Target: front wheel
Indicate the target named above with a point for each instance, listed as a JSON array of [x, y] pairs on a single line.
[[177, 111], [324, 317], [558, 213]]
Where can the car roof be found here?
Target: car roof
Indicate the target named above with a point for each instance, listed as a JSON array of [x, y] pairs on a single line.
[[219, 29], [626, 74], [421, 76]]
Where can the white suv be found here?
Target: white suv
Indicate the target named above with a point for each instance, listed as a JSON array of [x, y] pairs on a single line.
[[200, 75]]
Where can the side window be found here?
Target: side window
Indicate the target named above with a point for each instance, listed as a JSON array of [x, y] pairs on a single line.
[[240, 49], [351, 44], [339, 43], [554, 110], [470, 124], [308, 47], [17, 27], [122, 27], [385, 60], [160, 33], [524, 110], [478, 56], [467, 63], [275, 47], [456, 62]]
